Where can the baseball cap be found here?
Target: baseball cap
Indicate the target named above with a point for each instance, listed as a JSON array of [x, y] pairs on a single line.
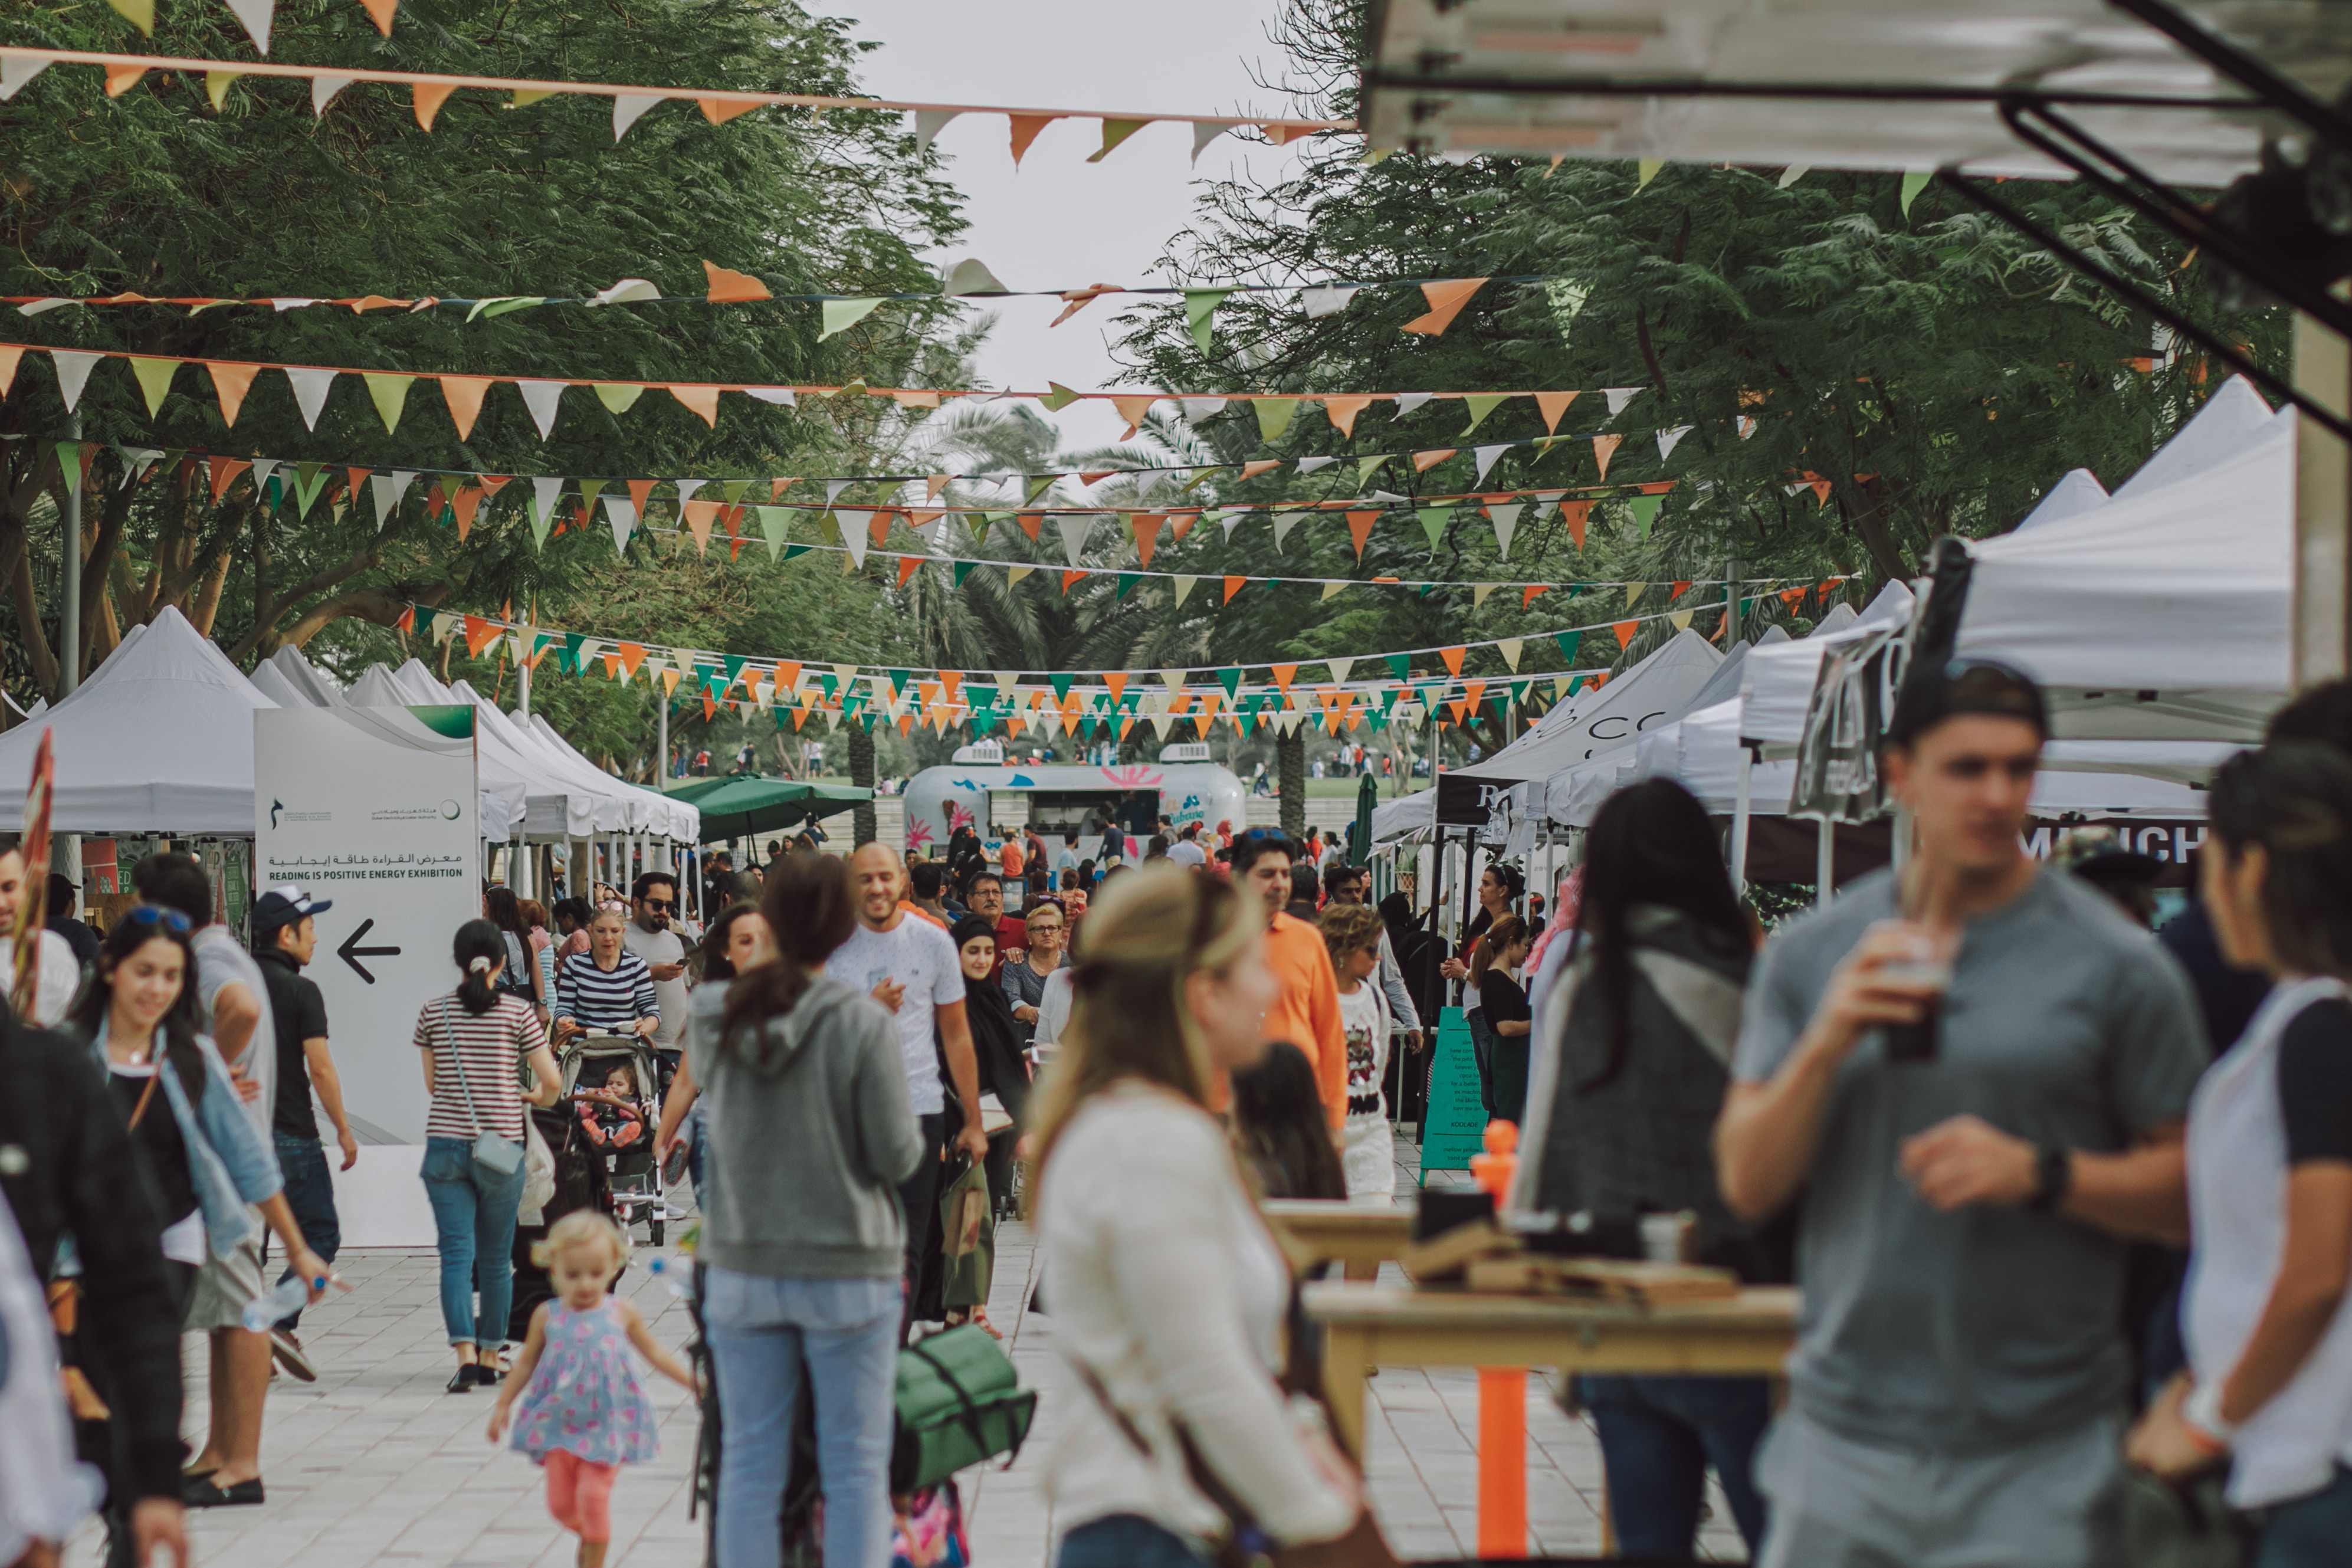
[[285, 906], [1961, 687]]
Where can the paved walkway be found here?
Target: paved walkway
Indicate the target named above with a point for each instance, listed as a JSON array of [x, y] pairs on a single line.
[[374, 1464]]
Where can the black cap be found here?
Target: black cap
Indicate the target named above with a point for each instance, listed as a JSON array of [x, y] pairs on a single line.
[[285, 906], [1962, 687]]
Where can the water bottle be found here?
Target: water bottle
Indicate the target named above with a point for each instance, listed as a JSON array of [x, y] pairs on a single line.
[[674, 1280], [263, 1312]]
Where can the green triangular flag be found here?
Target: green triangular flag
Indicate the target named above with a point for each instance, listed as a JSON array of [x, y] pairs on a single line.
[[1434, 519], [959, 570], [309, 479], [390, 394], [734, 490], [568, 659], [1199, 304], [1646, 512], [154, 380], [1914, 183], [1061, 684], [1480, 404], [793, 549], [840, 315], [1231, 679], [1367, 466], [1274, 416], [830, 682], [1040, 483], [775, 524], [1647, 170], [1127, 582], [735, 664], [541, 522], [1402, 664], [1057, 397], [1568, 643]]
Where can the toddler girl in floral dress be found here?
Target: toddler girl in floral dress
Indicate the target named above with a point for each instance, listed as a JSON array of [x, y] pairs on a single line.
[[583, 1415]]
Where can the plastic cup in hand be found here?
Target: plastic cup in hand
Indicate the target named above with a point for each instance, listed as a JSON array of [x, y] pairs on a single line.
[[264, 1312], [1928, 967]]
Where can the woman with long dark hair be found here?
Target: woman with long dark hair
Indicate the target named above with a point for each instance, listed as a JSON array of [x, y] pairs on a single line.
[[1499, 886], [207, 1160], [1168, 1294], [1629, 1073], [737, 941], [2266, 1311], [1503, 1003], [811, 1133], [997, 1040], [474, 1039], [519, 976]]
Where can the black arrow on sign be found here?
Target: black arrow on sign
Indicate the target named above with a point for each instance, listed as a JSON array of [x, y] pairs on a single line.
[[351, 952]]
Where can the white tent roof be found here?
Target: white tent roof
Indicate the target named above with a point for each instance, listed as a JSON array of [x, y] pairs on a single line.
[[304, 677], [2078, 490], [683, 818], [1777, 684], [1402, 818], [547, 810], [295, 682], [158, 740], [2232, 420]]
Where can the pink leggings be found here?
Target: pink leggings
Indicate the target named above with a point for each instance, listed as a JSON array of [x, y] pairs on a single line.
[[580, 1494]]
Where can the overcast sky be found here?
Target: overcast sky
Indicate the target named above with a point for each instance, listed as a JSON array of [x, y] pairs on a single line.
[[1058, 221]]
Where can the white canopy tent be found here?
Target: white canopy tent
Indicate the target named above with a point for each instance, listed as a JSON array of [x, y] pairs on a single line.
[[550, 810], [158, 740], [682, 819], [1776, 685]]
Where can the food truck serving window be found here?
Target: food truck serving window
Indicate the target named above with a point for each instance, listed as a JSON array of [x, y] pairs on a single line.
[[1083, 812]]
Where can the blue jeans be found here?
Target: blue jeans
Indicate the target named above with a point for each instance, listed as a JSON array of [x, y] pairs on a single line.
[[474, 1226], [1659, 1436], [761, 1331], [2313, 1531], [1127, 1540], [310, 1193]]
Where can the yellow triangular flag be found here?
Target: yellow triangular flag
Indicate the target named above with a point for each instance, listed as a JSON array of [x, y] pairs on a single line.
[[1509, 648], [1633, 593], [390, 394], [1478, 593], [154, 380]]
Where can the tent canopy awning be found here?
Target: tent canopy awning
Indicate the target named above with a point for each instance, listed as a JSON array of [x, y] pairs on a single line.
[[1852, 84], [740, 807]]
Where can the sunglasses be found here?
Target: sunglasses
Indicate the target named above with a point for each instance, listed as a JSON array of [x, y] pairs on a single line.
[[661, 903], [172, 921], [615, 905]]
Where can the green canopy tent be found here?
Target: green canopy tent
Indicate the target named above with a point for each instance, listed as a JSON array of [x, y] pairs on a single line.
[[746, 806], [1360, 832]]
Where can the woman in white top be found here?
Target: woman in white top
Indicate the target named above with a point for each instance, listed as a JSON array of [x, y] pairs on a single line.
[[2263, 1313], [1353, 933], [1169, 1295]]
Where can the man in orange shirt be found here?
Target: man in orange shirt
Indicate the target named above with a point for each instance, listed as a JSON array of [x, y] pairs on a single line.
[[1307, 1013]]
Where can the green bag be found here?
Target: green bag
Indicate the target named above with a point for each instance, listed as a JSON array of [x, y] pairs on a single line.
[[959, 1402], [967, 1239]]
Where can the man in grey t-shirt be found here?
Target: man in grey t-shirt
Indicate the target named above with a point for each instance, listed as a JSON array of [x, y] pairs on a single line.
[[1958, 1383]]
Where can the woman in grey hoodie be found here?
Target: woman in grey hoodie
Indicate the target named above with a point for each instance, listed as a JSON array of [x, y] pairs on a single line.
[[811, 1133]]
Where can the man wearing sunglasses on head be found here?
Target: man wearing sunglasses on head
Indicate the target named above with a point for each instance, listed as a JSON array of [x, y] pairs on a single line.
[[653, 904]]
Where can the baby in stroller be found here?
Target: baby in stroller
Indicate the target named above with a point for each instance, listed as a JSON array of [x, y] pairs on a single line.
[[615, 1123]]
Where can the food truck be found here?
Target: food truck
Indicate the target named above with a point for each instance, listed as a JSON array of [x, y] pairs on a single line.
[[973, 792]]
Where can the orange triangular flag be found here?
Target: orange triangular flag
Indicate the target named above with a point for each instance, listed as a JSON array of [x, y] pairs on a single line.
[[1576, 513], [1528, 597], [1342, 412], [230, 384], [1551, 405], [907, 564], [1233, 586], [1625, 630], [224, 471], [727, 286], [1147, 534], [1030, 521], [1359, 529], [952, 683], [1025, 131], [1283, 674], [1457, 707], [699, 515], [1117, 681], [1424, 461], [878, 525], [1263, 466], [1680, 589], [719, 111], [464, 504], [428, 97], [479, 633], [1180, 524], [1452, 658], [464, 395], [1603, 448], [121, 79], [356, 478], [1445, 302], [1133, 409], [932, 486], [380, 12], [788, 675], [640, 491], [800, 717], [1472, 691], [490, 482], [703, 400], [1068, 578]]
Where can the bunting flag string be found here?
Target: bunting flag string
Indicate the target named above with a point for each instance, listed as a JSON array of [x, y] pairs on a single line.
[[1122, 689], [463, 390], [429, 90]]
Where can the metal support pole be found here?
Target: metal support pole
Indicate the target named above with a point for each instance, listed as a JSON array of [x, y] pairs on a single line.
[[1742, 811], [2323, 509], [522, 691], [69, 574], [1824, 861], [661, 739]]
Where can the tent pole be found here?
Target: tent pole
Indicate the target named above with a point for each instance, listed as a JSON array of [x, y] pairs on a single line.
[[1740, 813], [522, 691], [69, 577], [1824, 861], [2323, 509], [661, 741]]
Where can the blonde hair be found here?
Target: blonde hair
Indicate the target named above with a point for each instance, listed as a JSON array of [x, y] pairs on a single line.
[[1350, 928], [1148, 932], [581, 1227]]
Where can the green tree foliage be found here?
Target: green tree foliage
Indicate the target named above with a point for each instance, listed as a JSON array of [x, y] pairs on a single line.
[[159, 193]]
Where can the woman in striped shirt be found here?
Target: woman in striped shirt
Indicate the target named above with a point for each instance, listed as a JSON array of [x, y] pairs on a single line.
[[613, 992], [472, 1040]]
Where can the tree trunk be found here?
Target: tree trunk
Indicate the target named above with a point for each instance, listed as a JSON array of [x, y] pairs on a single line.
[[1290, 769], [861, 773]]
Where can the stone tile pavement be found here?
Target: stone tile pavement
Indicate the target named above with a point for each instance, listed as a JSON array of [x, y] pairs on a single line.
[[374, 1464]]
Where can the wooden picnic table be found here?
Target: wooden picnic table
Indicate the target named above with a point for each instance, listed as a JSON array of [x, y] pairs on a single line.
[[1361, 1236]]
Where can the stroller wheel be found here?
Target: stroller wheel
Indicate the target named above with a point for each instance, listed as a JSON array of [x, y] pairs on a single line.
[[653, 1232]]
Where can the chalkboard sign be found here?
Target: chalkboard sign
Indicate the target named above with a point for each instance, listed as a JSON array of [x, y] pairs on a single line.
[[1456, 1120]]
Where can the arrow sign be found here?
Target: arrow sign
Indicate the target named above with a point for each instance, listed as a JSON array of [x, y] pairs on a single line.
[[351, 952]]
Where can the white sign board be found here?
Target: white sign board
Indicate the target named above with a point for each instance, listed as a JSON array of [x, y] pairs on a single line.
[[374, 809]]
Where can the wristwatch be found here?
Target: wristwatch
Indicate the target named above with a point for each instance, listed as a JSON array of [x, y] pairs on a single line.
[[2054, 1173]]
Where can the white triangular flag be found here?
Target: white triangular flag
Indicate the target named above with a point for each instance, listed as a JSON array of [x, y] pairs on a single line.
[[1205, 132], [254, 15], [1406, 402], [1791, 174], [1199, 408], [1008, 682], [627, 107], [542, 398], [322, 92], [73, 372], [620, 513], [1173, 680], [852, 532], [1328, 300], [1667, 439], [1308, 465], [14, 72], [387, 489], [1339, 668], [290, 303], [1619, 396], [1388, 497], [930, 122], [1487, 456], [1229, 519], [833, 489], [310, 388], [1074, 527], [780, 396], [625, 290], [1509, 648], [542, 498], [1545, 501], [1283, 522], [686, 489], [1183, 586], [262, 468], [1506, 516]]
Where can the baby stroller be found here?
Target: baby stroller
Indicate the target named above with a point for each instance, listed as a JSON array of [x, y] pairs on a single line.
[[621, 1129]]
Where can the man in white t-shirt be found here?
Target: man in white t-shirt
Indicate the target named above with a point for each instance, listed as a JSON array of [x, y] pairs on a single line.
[[59, 975], [1186, 851], [909, 965], [653, 900]]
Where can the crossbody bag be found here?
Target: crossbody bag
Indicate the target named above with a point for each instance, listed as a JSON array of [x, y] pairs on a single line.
[[491, 1152]]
